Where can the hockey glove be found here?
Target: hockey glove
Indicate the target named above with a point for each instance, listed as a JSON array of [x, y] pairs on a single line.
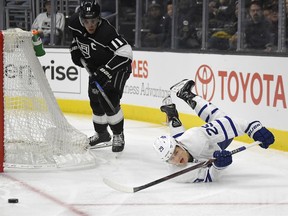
[[76, 55], [259, 133], [223, 158], [103, 75]]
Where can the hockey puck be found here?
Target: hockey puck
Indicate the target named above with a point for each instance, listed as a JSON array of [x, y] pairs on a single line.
[[13, 200]]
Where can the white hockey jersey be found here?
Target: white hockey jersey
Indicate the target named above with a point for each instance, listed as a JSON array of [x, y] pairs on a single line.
[[202, 142]]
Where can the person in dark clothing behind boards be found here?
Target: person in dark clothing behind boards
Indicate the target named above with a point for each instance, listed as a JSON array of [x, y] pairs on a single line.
[[257, 29], [152, 23], [108, 57]]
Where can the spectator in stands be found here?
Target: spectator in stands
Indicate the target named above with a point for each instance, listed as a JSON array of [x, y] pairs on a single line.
[[42, 23], [267, 11], [212, 14], [152, 23], [233, 30], [167, 25], [257, 29], [186, 32], [224, 39], [225, 11], [272, 17], [274, 22]]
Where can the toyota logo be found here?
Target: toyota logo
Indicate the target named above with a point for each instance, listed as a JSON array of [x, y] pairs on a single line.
[[205, 82]]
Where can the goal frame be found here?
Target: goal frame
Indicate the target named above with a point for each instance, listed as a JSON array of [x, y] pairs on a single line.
[[1, 105], [34, 133]]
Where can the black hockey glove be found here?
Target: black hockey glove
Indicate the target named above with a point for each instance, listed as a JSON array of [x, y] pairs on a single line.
[[223, 158], [103, 75], [76, 55], [259, 133]]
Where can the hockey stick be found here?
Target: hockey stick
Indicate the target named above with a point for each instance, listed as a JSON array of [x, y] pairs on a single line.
[[203, 164], [99, 87], [105, 97]]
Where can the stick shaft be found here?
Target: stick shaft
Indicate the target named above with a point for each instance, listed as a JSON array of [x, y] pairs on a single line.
[[199, 165], [203, 164], [99, 87], [173, 175], [105, 97], [242, 148]]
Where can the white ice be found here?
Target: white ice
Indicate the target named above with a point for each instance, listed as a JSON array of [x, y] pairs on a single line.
[[255, 184]]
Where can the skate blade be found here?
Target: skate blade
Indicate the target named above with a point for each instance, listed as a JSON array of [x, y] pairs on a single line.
[[175, 88], [101, 145], [167, 100]]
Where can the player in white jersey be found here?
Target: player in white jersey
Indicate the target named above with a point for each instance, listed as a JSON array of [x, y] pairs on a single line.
[[184, 147]]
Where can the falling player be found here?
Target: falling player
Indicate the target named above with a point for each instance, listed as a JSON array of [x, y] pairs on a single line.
[[198, 144], [108, 57]]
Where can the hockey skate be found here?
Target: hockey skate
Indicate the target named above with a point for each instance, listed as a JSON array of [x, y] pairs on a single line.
[[100, 140], [167, 100], [170, 109], [183, 90], [118, 142]]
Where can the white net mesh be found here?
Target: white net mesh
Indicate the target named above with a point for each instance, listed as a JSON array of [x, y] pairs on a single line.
[[36, 134]]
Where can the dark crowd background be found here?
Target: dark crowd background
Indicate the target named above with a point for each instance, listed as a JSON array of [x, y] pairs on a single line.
[[214, 26]]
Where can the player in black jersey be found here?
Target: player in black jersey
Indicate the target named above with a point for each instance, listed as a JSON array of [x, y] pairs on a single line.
[[108, 57]]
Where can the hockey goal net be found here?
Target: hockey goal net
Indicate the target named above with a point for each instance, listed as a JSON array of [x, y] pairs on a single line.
[[34, 132]]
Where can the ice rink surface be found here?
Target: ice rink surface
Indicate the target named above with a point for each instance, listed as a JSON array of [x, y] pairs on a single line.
[[255, 184]]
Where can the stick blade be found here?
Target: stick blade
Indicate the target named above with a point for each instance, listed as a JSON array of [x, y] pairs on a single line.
[[118, 187]]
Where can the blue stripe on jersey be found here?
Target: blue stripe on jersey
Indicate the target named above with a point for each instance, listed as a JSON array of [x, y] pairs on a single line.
[[202, 109], [208, 177], [223, 129], [178, 135], [213, 111], [232, 125]]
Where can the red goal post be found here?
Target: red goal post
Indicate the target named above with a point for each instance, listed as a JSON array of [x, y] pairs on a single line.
[[1, 105], [34, 132]]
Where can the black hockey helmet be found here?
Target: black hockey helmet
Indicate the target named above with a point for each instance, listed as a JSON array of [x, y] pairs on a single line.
[[89, 9], [47, 2]]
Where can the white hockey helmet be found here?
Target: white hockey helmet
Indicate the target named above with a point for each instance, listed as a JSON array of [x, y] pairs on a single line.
[[165, 146]]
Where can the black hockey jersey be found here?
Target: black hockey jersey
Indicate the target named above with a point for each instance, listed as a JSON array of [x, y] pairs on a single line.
[[104, 47]]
